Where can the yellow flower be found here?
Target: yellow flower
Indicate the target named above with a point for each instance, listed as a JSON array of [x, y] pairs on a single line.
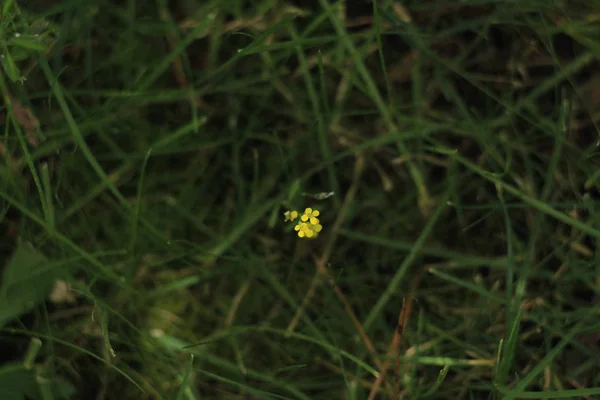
[[308, 226], [308, 231], [311, 216], [304, 230], [290, 215]]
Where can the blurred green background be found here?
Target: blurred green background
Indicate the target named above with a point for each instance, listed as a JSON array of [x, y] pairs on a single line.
[[150, 149]]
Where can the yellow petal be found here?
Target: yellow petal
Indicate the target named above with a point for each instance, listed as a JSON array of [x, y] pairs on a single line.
[[315, 213], [308, 211], [318, 228], [314, 221], [309, 233], [300, 233], [293, 215], [304, 217], [297, 228]]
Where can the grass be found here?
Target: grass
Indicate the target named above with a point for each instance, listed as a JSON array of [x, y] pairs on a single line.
[[150, 149]]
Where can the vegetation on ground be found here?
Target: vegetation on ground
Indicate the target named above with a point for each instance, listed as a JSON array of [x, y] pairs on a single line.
[[299, 199]]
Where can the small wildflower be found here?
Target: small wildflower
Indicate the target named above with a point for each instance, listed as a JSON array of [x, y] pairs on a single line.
[[290, 215], [304, 230], [308, 225], [308, 231], [311, 216]]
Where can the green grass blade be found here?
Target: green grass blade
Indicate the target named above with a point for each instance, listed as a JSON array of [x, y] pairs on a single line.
[[392, 288]]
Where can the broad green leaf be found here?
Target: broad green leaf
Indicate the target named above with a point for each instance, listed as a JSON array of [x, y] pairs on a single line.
[[10, 67], [63, 389], [16, 383], [20, 383], [55, 389], [6, 8], [27, 279], [28, 42]]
